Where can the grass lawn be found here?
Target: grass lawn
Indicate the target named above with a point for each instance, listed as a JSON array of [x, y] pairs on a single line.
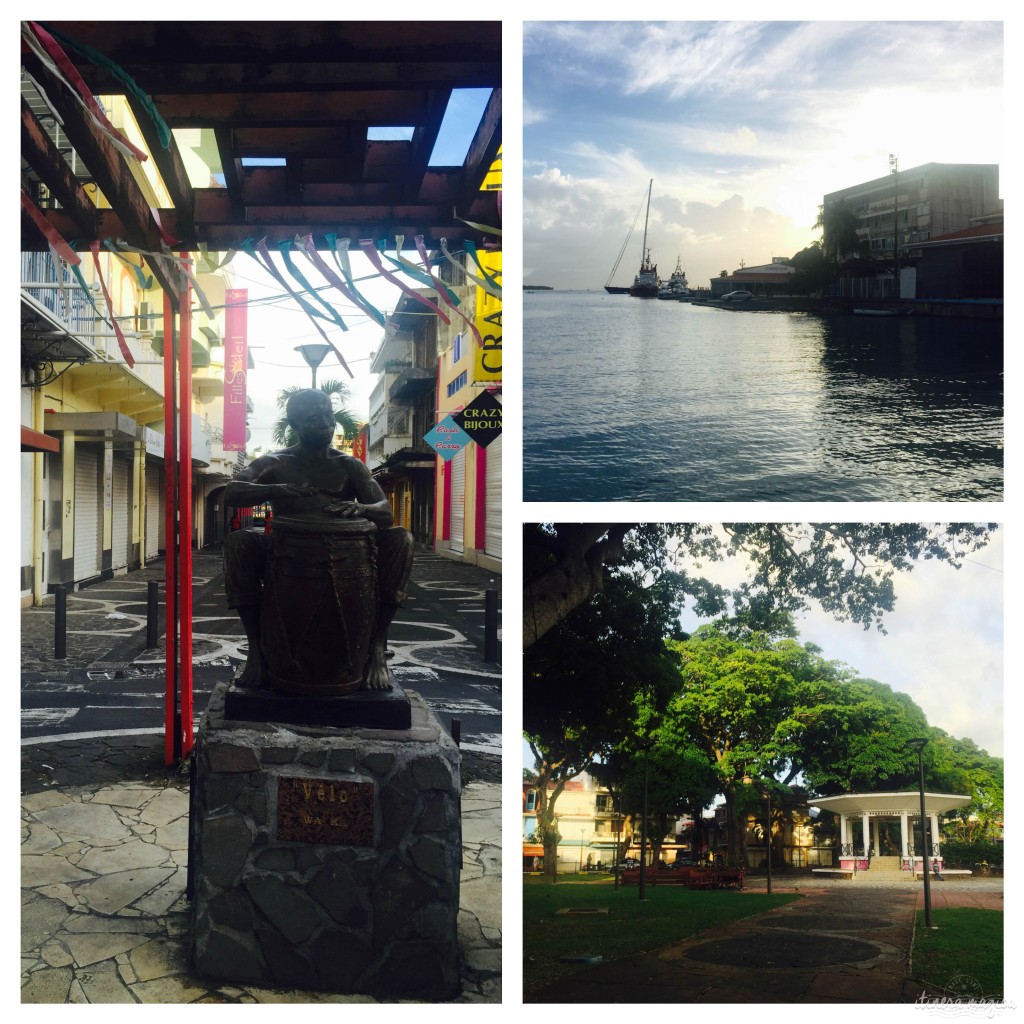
[[669, 913], [964, 955]]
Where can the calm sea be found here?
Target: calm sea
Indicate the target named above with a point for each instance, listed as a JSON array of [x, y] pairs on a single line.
[[646, 400]]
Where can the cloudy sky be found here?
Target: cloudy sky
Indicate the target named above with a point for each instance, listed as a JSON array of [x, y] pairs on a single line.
[[743, 126]]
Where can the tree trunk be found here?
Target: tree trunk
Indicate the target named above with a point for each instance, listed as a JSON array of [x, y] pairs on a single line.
[[577, 577], [736, 850]]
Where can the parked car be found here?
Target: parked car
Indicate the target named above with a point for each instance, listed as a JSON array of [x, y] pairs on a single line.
[[736, 296]]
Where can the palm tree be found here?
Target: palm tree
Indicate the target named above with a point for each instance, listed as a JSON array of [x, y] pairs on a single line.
[[838, 224], [339, 393]]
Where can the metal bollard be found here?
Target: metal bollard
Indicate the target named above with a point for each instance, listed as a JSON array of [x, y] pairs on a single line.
[[60, 623], [152, 605], [491, 625]]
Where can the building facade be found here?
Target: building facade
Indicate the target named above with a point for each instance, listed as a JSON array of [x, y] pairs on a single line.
[[92, 497], [918, 204]]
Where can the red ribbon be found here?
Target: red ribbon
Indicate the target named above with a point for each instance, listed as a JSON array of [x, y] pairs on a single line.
[[70, 72], [122, 344]]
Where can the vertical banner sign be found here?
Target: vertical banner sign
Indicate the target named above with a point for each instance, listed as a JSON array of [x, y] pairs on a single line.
[[487, 356], [236, 360], [359, 446]]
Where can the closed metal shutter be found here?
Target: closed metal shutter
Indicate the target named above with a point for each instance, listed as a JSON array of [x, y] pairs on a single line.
[[88, 522], [458, 509], [492, 505], [122, 514], [154, 509]]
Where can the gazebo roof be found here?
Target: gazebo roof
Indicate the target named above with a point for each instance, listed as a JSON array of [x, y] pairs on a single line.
[[890, 803]]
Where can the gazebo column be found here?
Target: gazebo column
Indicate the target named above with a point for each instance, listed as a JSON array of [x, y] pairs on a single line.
[[842, 833], [867, 834], [878, 851], [935, 834], [903, 834]]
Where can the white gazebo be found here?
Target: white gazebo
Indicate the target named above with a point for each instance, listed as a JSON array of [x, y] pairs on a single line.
[[872, 809]]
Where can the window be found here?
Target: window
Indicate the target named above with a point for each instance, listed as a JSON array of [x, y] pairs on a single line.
[[458, 384], [604, 803], [531, 800], [457, 348]]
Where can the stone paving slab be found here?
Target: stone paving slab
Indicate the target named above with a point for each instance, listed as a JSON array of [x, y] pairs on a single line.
[[104, 915]]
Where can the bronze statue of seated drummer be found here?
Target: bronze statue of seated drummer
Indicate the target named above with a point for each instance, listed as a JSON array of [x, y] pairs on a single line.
[[316, 597]]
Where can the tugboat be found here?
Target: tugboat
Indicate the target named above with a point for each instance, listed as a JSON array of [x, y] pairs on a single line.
[[646, 284], [676, 286]]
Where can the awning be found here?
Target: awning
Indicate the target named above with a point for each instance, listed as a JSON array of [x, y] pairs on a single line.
[[532, 850], [33, 441]]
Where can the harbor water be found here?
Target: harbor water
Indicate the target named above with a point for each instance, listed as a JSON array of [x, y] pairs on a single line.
[[644, 400]]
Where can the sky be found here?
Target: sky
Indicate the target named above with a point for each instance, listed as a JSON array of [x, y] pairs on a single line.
[[943, 643], [743, 127]]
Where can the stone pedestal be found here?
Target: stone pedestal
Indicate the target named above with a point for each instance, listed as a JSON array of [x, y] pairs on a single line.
[[326, 858]]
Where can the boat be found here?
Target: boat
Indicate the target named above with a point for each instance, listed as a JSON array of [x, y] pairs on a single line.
[[646, 284], [610, 288], [675, 287]]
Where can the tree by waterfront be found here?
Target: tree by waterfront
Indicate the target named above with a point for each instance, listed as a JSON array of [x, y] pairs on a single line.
[[838, 225]]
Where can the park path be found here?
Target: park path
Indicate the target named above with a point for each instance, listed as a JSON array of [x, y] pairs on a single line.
[[843, 943]]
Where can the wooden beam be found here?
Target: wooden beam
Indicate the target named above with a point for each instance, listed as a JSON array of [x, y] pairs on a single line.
[[138, 45], [168, 163], [423, 140], [218, 226], [109, 171], [483, 150], [234, 76], [385, 108], [39, 152]]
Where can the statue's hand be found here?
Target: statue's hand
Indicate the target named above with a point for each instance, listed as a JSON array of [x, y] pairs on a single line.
[[343, 510]]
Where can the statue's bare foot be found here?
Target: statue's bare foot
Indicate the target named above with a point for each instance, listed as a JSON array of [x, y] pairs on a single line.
[[377, 670]]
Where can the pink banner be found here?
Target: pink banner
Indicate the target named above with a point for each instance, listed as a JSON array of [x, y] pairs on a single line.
[[236, 361]]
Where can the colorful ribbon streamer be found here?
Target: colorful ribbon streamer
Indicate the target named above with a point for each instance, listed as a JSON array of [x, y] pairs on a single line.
[[261, 248], [366, 244], [48, 50], [121, 343], [421, 248], [339, 248], [283, 248]]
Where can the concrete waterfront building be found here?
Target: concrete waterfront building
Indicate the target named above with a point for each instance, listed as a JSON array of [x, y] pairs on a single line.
[[920, 202]]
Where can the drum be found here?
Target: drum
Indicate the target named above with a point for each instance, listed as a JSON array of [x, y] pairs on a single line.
[[320, 605]]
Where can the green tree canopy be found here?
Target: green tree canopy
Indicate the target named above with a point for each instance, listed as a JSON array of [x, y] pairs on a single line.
[[845, 568], [838, 225], [284, 435]]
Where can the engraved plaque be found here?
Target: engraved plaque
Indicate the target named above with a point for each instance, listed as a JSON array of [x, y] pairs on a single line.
[[324, 811]]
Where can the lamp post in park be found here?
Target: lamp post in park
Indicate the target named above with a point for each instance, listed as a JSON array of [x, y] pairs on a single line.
[[919, 745]]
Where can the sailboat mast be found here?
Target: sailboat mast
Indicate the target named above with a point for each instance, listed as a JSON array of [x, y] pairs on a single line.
[[643, 254]]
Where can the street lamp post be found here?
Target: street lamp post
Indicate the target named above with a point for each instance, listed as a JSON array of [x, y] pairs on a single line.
[[768, 839], [314, 356], [894, 166], [919, 745], [643, 838]]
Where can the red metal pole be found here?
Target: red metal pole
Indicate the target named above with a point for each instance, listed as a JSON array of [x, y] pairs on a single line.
[[170, 538], [185, 513]]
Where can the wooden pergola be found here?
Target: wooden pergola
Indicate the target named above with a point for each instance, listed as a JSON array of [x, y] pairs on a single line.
[[290, 106]]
